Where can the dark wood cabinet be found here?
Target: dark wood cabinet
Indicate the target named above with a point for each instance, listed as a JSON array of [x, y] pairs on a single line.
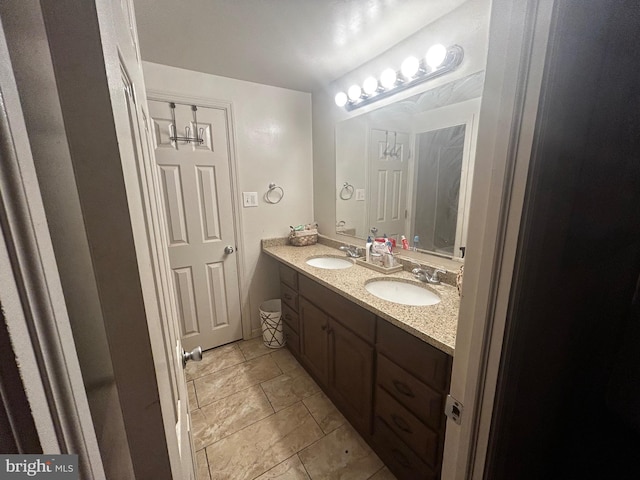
[[288, 276], [289, 298], [400, 459], [314, 350], [425, 402], [389, 384], [412, 381], [337, 338], [351, 374]]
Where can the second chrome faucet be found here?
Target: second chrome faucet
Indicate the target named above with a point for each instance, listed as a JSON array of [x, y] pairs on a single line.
[[424, 276], [353, 252]]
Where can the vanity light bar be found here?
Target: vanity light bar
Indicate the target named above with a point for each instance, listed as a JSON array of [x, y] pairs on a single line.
[[392, 81]]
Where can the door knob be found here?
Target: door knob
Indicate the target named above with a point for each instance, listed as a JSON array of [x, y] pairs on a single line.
[[195, 355], [228, 249]]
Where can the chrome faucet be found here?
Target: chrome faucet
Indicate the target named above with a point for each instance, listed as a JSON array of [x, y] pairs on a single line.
[[353, 252], [424, 276]]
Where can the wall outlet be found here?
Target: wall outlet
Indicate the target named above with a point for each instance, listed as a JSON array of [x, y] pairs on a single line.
[[360, 194], [250, 199]]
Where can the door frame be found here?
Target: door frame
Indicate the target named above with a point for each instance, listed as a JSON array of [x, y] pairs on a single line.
[[227, 107], [33, 300], [518, 38]]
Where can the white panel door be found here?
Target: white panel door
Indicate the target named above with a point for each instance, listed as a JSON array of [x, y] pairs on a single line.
[[196, 188], [388, 164], [164, 334]]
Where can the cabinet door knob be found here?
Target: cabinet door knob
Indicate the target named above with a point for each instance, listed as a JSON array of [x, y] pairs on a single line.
[[403, 388], [287, 296], [323, 328]]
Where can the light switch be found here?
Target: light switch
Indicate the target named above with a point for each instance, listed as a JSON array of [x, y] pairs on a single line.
[[360, 194], [250, 199]]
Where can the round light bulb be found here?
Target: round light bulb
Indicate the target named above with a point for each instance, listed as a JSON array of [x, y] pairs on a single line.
[[370, 86], [354, 92], [388, 78], [436, 55], [410, 67], [341, 99]]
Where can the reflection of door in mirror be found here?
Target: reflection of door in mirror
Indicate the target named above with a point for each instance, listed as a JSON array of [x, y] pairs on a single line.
[[388, 159], [437, 192], [360, 142]]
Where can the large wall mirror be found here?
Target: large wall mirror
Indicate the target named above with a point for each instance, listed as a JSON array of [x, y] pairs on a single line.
[[406, 168]]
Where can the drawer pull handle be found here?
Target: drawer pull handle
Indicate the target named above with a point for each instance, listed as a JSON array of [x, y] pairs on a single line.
[[287, 296], [403, 388], [402, 460], [400, 423], [323, 328]]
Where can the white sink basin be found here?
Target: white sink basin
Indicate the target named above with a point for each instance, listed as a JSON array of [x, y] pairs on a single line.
[[330, 263], [402, 292]]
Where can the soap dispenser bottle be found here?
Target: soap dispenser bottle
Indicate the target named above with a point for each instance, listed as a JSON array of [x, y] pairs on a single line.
[[367, 249], [416, 243]]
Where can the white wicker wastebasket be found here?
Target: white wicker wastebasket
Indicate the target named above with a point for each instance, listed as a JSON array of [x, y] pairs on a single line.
[[271, 321]]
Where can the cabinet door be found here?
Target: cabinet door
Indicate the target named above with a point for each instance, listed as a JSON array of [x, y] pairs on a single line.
[[313, 340], [351, 374]]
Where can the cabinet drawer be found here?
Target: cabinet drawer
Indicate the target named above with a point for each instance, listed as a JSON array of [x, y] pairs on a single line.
[[399, 458], [352, 316], [292, 338], [290, 317], [289, 296], [289, 276], [424, 402], [408, 427], [425, 362]]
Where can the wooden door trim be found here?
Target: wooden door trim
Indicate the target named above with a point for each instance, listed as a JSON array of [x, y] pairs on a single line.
[[243, 281]]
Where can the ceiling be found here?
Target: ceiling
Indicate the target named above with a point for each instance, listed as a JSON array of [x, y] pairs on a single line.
[[296, 44]]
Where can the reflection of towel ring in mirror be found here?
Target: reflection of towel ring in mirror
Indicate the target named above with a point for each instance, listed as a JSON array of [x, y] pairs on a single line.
[[346, 192], [267, 196]]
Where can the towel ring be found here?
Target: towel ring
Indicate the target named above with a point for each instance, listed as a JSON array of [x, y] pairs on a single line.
[[346, 192], [267, 196]]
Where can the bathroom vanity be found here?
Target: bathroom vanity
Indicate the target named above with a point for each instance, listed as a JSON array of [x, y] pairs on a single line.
[[386, 366]]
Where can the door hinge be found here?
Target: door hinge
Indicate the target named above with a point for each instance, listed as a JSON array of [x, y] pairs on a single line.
[[453, 409]]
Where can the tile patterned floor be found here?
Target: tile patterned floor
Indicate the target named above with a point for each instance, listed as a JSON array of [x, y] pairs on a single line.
[[256, 414]]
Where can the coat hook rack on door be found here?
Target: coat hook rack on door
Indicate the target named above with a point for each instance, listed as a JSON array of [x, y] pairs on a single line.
[[187, 130]]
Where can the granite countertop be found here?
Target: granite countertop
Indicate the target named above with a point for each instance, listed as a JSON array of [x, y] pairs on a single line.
[[435, 324]]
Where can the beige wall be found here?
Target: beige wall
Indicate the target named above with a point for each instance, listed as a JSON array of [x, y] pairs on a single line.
[[272, 129], [467, 26]]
